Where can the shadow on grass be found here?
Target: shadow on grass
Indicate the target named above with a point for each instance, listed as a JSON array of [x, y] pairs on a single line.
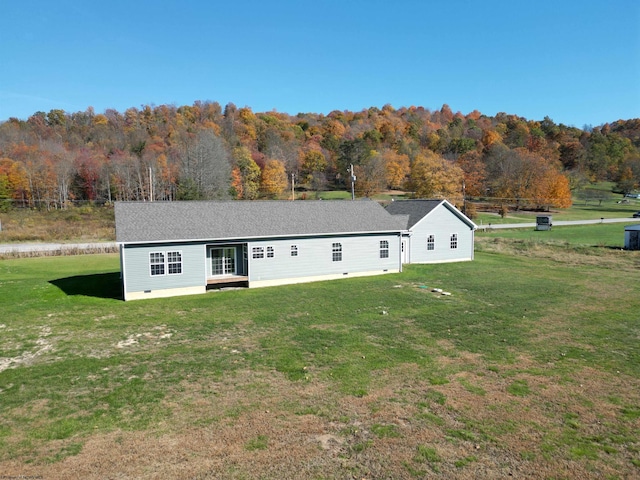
[[100, 285]]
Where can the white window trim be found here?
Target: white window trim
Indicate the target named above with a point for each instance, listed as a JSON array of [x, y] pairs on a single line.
[[271, 251], [336, 252], [294, 250], [453, 241], [179, 252], [165, 263], [431, 241], [384, 248], [257, 253]]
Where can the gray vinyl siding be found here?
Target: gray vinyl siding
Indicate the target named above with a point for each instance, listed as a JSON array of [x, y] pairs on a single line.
[[138, 275], [441, 223], [359, 254]]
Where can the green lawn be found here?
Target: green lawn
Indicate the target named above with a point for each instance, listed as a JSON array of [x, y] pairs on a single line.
[[598, 235], [531, 364]]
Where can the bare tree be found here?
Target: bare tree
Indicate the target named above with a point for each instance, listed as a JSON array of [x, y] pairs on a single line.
[[206, 167]]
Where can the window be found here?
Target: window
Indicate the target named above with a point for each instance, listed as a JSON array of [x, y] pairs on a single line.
[[431, 242], [174, 263], [162, 263], [337, 252], [294, 250], [257, 252], [270, 252], [454, 240], [384, 249], [156, 263]]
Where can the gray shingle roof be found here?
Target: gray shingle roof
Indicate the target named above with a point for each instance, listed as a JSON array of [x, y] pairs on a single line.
[[139, 222], [416, 210]]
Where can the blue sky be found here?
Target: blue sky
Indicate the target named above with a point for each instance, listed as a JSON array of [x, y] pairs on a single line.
[[577, 62]]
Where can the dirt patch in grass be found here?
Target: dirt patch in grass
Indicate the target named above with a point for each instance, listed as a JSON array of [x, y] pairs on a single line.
[[42, 346]]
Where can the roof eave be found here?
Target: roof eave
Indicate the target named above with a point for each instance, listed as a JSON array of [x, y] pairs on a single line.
[[259, 237]]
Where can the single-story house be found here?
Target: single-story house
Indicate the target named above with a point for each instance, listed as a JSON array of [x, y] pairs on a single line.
[[632, 237], [179, 248], [435, 231]]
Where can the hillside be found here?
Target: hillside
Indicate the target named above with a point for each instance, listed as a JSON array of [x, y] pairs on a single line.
[[205, 151]]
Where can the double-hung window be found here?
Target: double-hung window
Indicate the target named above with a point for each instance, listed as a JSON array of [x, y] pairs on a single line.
[[294, 250], [384, 249], [431, 242], [454, 241], [174, 262], [270, 252], [336, 252], [257, 252], [156, 263], [165, 263]]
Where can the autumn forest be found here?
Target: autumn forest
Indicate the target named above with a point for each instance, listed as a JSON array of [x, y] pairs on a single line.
[[206, 151]]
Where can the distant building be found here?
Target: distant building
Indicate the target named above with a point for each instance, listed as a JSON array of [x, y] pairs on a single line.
[[632, 237], [544, 222]]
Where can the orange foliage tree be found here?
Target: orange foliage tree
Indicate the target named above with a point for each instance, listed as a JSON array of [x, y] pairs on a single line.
[[274, 178], [397, 168], [433, 176], [527, 179]]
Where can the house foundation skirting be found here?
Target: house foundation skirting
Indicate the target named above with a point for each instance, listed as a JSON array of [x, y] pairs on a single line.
[[446, 260], [317, 278], [172, 292], [167, 292]]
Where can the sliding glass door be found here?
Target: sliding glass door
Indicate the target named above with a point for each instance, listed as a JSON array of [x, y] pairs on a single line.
[[223, 261]]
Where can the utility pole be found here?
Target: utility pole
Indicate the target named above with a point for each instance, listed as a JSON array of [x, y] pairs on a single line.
[[150, 185], [293, 190], [353, 182], [464, 198]]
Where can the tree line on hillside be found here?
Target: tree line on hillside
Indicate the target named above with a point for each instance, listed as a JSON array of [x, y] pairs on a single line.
[[204, 151]]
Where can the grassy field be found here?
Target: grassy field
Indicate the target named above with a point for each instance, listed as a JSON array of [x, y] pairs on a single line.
[[79, 224], [530, 369], [609, 235]]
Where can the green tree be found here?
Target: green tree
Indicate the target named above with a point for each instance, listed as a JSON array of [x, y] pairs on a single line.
[[249, 171], [4, 187], [356, 152], [313, 167]]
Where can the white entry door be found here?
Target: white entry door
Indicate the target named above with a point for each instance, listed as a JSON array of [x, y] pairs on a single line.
[[223, 261]]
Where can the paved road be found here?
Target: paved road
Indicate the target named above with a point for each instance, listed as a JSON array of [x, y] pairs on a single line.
[[559, 223]]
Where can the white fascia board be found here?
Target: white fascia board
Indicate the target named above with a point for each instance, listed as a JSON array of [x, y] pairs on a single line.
[[261, 237]]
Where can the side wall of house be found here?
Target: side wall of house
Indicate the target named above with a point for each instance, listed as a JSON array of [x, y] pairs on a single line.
[[313, 258], [140, 283], [442, 224]]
